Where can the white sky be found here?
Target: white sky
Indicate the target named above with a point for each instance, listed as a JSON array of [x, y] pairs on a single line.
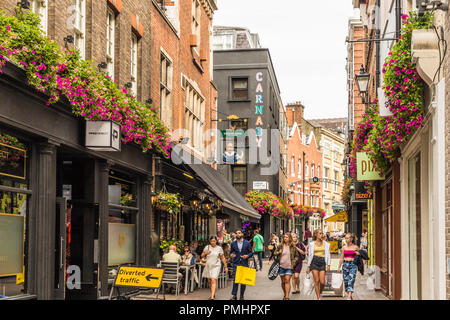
[[306, 39]]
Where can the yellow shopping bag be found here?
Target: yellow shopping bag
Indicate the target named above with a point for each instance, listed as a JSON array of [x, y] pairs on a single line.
[[245, 276]]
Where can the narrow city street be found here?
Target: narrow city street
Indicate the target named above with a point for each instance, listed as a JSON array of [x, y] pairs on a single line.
[[266, 289], [143, 142]]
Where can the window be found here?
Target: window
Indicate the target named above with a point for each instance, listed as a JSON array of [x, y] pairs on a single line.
[[312, 171], [134, 64], [306, 171], [335, 155], [293, 167], [336, 180], [325, 179], [240, 179], [194, 117], [14, 161], [80, 26], [166, 90], [40, 7], [312, 200], [326, 149], [196, 14], [318, 172], [122, 219], [239, 89], [299, 168], [110, 42], [223, 42]]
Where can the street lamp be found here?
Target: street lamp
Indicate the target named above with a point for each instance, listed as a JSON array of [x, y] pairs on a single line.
[[362, 80]]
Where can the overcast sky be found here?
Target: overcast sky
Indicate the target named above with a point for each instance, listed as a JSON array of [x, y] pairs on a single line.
[[306, 39]]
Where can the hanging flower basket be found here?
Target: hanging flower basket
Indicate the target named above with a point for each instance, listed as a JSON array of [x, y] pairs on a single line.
[[169, 202]]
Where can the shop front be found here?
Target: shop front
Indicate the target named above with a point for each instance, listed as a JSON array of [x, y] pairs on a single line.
[[69, 215]]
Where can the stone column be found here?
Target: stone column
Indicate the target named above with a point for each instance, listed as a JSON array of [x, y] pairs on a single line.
[[45, 220]]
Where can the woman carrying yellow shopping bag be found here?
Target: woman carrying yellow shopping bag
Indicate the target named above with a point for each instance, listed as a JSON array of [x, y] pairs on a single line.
[[241, 250]]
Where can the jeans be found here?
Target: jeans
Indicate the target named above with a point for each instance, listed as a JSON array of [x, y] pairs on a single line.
[[236, 285], [260, 258], [349, 274]]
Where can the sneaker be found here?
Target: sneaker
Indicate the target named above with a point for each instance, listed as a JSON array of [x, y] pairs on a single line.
[[241, 298], [348, 298], [233, 298]]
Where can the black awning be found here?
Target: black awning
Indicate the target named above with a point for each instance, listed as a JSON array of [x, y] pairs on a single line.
[[224, 190]]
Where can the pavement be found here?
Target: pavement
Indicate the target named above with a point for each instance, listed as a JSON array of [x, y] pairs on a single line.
[[266, 289]]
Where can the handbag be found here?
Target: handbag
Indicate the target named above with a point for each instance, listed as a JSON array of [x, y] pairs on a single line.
[[274, 270], [245, 276], [336, 280], [308, 285]]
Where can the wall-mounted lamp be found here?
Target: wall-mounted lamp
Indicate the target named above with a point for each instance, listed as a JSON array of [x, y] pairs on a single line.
[[103, 65], [128, 85], [24, 4], [149, 101]]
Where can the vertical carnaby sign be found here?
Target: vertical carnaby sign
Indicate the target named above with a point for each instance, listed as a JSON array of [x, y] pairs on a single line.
[[259, 108]]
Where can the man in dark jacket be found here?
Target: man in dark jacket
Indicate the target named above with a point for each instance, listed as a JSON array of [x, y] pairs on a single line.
[[241, 250]]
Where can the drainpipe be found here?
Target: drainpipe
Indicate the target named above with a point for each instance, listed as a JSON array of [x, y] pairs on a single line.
[[377, 54], [398, 13]]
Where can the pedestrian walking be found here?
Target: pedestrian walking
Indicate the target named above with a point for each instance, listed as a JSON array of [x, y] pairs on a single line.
[[241, 251], [319, 260], [273, 244], [214, 254], [298, 267], [308, 236], [288, 256], [347, 261], [258, 248]]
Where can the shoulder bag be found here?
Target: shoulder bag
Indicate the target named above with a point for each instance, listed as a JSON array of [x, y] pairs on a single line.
[[274, 270]]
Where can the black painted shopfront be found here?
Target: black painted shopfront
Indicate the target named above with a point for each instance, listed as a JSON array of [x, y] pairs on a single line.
[[83, 212]]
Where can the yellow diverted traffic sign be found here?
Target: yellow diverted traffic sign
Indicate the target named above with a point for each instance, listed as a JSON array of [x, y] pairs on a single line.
[[139, 277]]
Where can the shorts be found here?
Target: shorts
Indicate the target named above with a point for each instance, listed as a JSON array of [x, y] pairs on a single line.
[[318, 263], [286, 272]]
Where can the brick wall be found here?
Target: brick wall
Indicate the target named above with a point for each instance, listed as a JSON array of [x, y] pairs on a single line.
[[447, 151], [60, 21], [179, 50]]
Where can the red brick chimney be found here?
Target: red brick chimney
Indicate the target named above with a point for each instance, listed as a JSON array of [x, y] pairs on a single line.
[[294, 113]]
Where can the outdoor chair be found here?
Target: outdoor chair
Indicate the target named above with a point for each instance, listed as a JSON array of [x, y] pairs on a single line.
[[171, 275]]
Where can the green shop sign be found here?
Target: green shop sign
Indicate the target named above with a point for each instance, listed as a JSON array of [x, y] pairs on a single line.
[[365, 169], [233, 133]]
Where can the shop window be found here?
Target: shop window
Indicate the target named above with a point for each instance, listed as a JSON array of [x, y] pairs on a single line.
[[240, 179], [200, 223], [239, 89], [14, 201], [122, 219]]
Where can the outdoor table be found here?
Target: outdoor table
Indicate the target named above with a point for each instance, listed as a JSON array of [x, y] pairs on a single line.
[[200, 274], [186, 269]]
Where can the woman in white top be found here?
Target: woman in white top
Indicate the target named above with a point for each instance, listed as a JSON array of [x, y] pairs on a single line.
[[213, 253]]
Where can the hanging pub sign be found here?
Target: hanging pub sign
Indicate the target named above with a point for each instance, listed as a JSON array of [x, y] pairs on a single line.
[[103, 136], [361, 193], [365, 168]]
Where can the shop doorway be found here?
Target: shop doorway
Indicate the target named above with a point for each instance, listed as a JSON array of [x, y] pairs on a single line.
[[386, 239], [77, 223]]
